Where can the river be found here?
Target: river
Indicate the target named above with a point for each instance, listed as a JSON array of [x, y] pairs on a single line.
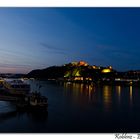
[[77, 108]]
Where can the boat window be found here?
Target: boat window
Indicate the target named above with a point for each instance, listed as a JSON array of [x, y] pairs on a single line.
[[17, 86], [13, 86], [22, 86]]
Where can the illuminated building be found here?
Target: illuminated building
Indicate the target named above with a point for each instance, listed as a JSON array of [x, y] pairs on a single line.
[[82, 63], [74, 63], [106, 70], [94, 67]]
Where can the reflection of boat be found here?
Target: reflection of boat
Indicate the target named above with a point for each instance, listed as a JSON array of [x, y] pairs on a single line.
[[32, 115], [7, 115], [16, 86]]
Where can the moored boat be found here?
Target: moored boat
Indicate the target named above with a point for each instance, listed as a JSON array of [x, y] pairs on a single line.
[[38, 101], [33, 102], [16, 87]]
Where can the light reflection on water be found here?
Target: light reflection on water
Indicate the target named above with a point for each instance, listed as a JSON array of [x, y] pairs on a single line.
[[131, 95], [118, 91], [107, 97], [112, 96], [79, 91], [75, 103]]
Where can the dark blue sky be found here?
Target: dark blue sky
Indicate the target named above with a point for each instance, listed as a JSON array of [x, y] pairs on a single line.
[[32, 38]]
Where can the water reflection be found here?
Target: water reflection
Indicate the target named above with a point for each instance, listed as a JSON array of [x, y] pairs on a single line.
[[92, 107], [118, 91], [34, 116], [77, 89], [107, 97], [131, 95], [38, 116], [7, 115]]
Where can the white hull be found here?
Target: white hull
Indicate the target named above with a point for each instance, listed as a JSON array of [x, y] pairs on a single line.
[[16, 87]]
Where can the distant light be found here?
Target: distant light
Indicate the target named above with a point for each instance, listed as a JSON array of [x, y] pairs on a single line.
[[77, 73], [110, 67], [94, 67], [82, 63], [131, 82], [117, 79], [106, 70]]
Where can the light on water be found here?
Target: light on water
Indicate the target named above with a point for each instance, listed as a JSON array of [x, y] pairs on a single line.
[[118, 91], [131, 96], [75, 107], [107, 97]]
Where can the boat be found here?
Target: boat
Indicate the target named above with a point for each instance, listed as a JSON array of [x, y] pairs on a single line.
[[16, 86], [33, 102], [37, 101]]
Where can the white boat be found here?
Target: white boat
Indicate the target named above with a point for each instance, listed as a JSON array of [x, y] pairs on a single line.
[[16, 86]]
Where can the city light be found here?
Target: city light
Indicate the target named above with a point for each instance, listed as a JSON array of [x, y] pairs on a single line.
[[106, 70]]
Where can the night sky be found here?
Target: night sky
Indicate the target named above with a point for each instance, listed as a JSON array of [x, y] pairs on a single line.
[[35, 38]]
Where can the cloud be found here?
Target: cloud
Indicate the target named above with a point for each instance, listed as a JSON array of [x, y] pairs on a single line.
[[9, 65], [52, 49]]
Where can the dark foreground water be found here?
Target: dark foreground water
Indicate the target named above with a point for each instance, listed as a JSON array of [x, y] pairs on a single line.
[[77, 108]]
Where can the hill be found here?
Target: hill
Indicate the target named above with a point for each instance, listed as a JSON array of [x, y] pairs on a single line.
[[72, 71]]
